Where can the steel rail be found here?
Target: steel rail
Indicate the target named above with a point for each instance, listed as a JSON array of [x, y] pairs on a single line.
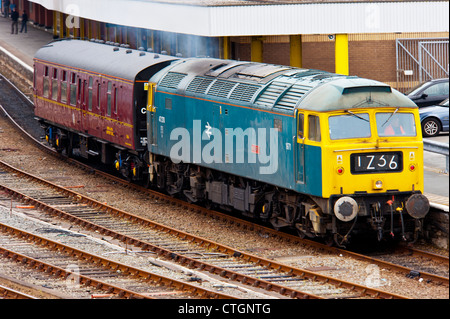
[[153, 279], [9, 293], [191, 262], [426, 254]]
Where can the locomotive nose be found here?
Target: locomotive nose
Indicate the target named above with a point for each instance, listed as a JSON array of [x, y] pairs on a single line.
[[417, 206]]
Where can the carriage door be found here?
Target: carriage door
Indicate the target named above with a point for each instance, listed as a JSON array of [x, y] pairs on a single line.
[[82, 104], [299, 149], [151, 118]]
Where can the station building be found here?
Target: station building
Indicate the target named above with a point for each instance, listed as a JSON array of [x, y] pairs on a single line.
[[401, 43]]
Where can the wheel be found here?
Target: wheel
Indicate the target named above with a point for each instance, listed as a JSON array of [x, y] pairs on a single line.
[[430, 127]]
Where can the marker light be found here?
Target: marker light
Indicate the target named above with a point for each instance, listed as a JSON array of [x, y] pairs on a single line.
[[378, 184], [340, 170], [412, 167]]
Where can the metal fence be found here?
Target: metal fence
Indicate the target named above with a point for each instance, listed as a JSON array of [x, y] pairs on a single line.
[[439, 148], [420, 60]]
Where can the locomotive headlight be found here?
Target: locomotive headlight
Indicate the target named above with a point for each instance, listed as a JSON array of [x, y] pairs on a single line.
[[377, 184]]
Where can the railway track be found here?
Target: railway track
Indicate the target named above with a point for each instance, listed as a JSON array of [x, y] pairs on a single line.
[[181, 247], [58, 260], [9, 293]]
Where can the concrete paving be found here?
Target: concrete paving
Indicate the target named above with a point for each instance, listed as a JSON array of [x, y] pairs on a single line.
[[22, 45]]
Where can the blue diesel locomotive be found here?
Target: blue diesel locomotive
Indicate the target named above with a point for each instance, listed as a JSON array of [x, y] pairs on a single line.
[[325, 154], [301, 148]]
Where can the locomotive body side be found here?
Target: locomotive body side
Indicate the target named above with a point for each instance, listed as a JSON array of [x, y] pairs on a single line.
[[291, 152]]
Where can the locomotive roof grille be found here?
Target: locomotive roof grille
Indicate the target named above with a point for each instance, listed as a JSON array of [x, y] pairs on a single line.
[[172, 80], [272, 92], [282, 88], [292, 96], [221, 88], [244, 92], [199, 85]]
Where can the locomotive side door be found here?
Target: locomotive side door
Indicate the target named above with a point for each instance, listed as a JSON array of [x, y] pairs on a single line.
[[151, 118], [299, 148]]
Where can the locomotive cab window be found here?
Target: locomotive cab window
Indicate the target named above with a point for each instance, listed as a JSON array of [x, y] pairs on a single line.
[[314, 128], [395, 124], [352, 125], [300, 127]]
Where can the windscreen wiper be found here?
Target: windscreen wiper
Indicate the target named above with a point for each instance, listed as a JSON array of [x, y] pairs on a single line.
[[356, 115], [390, 117]]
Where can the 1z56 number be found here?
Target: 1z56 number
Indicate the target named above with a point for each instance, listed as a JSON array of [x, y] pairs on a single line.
[[376, 162]]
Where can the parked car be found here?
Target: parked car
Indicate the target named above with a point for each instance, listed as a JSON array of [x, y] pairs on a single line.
[[434, 119], [429, 93]]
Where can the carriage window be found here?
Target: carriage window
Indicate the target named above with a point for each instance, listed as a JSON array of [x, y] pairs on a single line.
[[352, 125], [314, 128], [90, 93], [116, 99], [108, 95], [63, 87], [46, 87], [55, 85], [99, 95], [395, 124], [73, 89]]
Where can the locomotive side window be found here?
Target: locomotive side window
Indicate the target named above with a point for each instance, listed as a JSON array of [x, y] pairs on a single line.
[[73, 89], [55, 85], [63, 86], [300, 132], [314, 128], [90, 93]]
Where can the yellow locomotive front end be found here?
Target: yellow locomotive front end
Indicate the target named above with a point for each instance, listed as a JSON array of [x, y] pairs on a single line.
[[373, 151], [373, 169], [371, 161]]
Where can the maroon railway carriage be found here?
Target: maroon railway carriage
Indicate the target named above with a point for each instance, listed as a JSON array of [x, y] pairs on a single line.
[[92, 97]]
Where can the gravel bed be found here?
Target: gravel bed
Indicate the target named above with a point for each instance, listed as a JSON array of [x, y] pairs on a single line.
[[97, 246], [26, 157]]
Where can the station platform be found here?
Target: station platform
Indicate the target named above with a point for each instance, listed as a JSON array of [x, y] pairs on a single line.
[[22, 45]]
